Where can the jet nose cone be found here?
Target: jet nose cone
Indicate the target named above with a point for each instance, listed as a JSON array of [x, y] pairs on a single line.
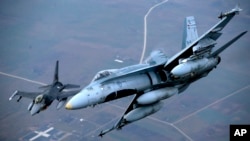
[[68, 106], [77, 102], [35, 109], [181, 70]]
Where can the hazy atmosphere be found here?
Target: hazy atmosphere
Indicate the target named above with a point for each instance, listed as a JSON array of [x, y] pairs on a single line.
[[86, 36]]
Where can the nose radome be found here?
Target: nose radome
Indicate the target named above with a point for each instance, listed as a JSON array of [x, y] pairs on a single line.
[[77, 102], [35, 109], [68, 106]]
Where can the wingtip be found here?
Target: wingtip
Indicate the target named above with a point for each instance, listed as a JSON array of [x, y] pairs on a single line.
[[243, 33], [235, 10], [237, 7], [14, 94], [101, 134]]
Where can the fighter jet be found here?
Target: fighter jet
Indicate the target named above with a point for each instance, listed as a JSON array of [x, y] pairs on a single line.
[[159, 77], [41, 100]]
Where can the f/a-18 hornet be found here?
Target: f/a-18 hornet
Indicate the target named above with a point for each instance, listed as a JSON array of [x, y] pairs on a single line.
[[41, 100], [159, 77]]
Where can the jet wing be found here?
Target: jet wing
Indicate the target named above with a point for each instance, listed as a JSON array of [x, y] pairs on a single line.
[[66, 94], [211, 35], [121, 122], [31, 95]]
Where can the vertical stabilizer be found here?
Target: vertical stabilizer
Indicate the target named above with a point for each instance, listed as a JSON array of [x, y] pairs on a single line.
[[190, 33], [56, 72]]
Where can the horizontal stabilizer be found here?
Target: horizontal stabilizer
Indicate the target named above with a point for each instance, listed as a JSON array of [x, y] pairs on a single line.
[[71, 86], [217, 52], [45, 87], [66, 94]]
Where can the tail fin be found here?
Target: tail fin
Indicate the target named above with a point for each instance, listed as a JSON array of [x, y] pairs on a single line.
[[190, 33], [56, 72]]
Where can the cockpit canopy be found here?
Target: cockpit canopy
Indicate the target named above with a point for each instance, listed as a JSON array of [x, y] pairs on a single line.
[[103, 74], [39, 99]]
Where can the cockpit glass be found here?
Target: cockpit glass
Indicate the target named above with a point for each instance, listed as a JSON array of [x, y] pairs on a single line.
[[102, 74], [38, 99]]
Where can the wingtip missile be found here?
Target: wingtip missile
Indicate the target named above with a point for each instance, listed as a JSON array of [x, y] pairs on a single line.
[[13, 95], [235, 10]]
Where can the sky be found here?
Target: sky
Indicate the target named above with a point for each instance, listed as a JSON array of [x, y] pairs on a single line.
[[86, 36]]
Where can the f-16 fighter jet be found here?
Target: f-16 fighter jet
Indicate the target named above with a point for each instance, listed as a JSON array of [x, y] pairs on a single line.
[[41, 100], [159, 77]]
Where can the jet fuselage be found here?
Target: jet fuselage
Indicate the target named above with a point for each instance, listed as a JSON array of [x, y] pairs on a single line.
[[106, 89], [160, 77]]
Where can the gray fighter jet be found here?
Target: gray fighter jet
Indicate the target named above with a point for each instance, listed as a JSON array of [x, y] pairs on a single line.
[[159, 77], [41, 100]]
